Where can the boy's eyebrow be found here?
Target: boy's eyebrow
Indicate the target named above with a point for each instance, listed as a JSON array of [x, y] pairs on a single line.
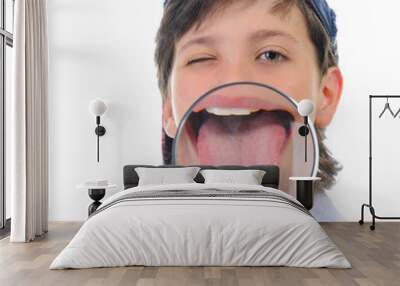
[[203, 40], [263, 34], [256, 36]]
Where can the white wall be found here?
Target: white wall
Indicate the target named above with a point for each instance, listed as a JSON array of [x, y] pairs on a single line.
[[100, 49], [369, 58], [105, 49]]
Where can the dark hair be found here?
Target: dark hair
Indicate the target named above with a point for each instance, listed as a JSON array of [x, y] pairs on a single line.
[[181, 15]]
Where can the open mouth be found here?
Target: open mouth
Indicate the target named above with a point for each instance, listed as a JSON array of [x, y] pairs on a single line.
[[239, 135]]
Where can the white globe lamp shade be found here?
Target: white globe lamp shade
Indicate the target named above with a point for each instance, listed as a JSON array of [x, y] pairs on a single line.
[[97, 107], [305, 107]]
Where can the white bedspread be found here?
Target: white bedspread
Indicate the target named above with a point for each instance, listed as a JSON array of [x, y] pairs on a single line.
[[200, 231]]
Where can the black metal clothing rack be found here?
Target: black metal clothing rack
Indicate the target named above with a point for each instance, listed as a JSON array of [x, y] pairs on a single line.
[[370, 205]]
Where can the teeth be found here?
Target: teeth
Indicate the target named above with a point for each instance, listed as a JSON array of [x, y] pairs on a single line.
[[230, 111]]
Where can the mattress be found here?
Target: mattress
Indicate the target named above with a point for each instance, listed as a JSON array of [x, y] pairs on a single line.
[[201, 225]]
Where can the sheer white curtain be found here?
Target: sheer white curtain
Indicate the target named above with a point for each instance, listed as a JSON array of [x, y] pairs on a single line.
[[28, 160]]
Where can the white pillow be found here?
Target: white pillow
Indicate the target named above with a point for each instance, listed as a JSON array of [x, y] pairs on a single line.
[[162, 176], [248, 177]]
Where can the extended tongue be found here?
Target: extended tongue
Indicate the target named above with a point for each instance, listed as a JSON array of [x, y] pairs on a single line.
[[258, 139]]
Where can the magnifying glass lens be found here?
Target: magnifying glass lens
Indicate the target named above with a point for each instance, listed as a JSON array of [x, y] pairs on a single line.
[[246, 124]]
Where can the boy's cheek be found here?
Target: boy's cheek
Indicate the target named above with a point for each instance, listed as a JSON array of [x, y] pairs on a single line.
[[325, 115], [325, 111], [186, 89], [170, 128], [168, 122], [322, 120]]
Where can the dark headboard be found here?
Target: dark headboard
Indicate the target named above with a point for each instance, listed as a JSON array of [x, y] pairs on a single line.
[[271, 177]]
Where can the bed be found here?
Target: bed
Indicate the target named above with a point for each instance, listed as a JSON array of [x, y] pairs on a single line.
[[201, 224]]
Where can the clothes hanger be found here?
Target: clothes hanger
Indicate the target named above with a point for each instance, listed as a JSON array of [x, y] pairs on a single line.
[[387, 107], [397, 113]]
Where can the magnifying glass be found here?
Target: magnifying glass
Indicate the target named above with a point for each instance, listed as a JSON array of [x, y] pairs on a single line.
[[248, 123]]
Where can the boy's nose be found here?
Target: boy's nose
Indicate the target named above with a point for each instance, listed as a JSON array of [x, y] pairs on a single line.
[[234, 72]]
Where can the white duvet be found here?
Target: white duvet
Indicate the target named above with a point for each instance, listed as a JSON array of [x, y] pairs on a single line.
[[200, 231]]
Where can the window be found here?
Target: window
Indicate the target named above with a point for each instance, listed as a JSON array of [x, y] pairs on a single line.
[[6, 44]]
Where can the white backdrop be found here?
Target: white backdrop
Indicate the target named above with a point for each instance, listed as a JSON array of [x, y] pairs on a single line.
[[104, 48]]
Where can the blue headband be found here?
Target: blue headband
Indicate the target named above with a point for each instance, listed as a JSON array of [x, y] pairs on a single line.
[[325, 14], [328, 19]]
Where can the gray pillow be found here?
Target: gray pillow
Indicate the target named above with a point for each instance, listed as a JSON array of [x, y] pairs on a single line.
[[248, 177], [162, 176]]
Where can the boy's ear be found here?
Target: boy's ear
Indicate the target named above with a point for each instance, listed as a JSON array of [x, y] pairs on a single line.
[[331, 91], [168, 118]]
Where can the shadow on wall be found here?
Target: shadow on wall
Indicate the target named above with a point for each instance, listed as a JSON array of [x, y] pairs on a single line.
[[324, 209]]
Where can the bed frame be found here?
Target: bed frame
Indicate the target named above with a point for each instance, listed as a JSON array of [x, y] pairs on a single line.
[[270, 179]]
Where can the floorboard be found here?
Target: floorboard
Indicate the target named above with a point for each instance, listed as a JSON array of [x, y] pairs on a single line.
[[374, 255]]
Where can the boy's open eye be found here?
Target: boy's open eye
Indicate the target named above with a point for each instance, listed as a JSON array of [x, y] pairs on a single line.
[[272, 56]]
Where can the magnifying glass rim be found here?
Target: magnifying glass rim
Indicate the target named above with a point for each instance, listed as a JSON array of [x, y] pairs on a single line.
[[291, 100]]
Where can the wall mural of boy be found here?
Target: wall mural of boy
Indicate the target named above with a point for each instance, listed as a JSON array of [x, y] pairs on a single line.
[[287, 44]]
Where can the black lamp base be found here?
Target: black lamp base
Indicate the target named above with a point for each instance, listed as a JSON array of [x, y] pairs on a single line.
[[304, 193], [96, 195]]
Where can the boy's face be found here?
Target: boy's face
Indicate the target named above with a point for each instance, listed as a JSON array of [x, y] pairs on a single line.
[[245, 41]]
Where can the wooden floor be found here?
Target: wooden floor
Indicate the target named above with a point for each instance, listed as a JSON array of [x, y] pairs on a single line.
[[375, 257]]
